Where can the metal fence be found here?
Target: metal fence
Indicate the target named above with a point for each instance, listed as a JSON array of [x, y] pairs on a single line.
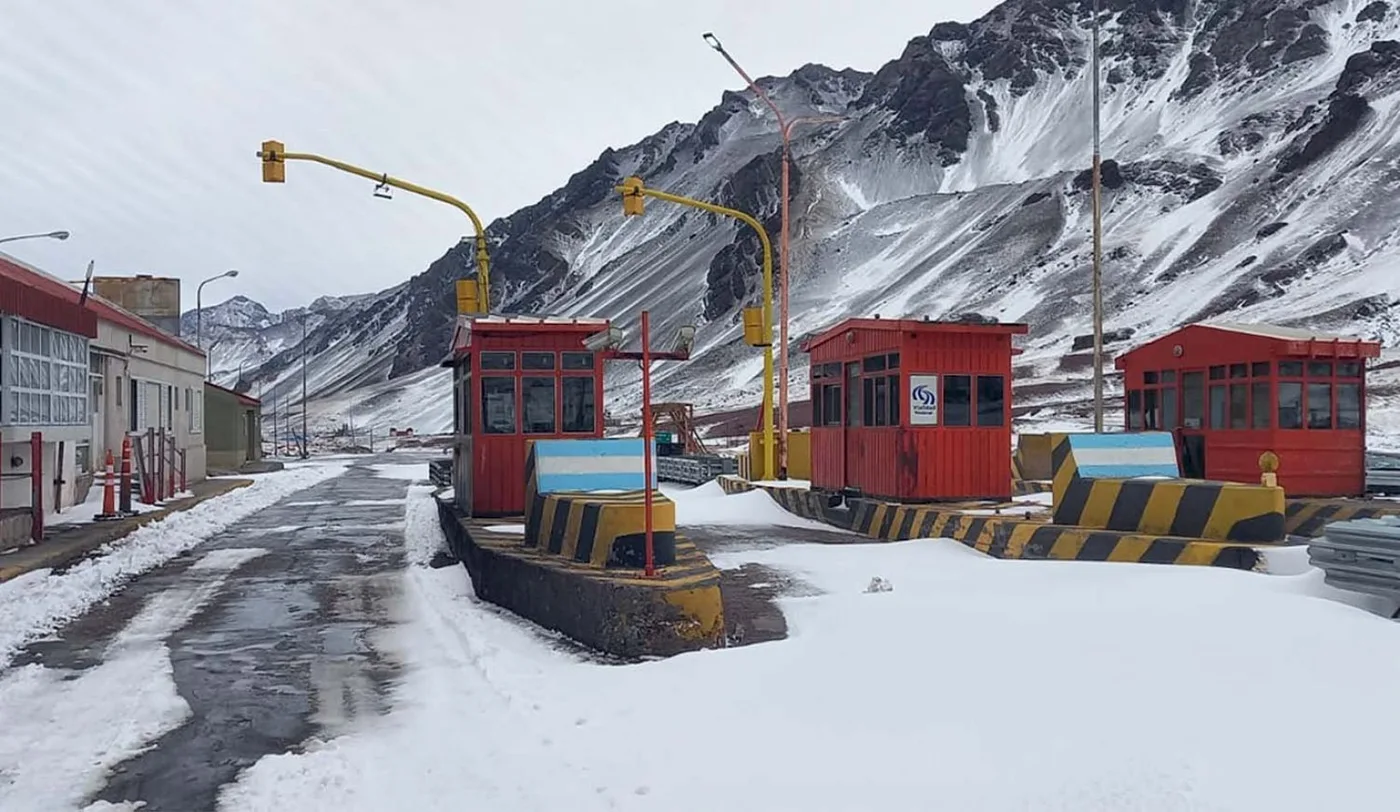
[[440, 473], [1361, 555], [694, 469]]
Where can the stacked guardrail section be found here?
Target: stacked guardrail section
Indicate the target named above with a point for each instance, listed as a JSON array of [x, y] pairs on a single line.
[[1361, 555]]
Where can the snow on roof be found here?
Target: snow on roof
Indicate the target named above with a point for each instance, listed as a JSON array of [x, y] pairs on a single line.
[[1272, 331], [509, 318]]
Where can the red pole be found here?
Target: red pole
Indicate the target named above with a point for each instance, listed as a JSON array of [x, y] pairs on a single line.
[[646, 439], [36, 480]]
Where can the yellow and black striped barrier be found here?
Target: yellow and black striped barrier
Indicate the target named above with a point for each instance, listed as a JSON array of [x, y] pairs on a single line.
[[1014, 533], [603, 530], [1308, 517], [1184, 508]]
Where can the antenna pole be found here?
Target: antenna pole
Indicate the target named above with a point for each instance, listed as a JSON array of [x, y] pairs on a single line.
[[1098, 239]]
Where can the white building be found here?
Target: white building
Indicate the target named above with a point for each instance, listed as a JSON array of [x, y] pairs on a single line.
[[84, 374]]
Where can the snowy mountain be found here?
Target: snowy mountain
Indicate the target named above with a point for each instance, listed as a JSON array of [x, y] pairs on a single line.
[[1250, 168]]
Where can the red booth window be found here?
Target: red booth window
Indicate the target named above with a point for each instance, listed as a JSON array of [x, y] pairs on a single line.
[[826, 394], [1320, 395]]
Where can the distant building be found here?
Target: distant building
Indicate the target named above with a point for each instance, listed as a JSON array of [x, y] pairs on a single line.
[[154, 298], [233, 432]]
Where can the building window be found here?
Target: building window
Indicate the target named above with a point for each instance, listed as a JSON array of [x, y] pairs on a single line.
[[853, 410], [537, 360], [991, 400], [957, 400], [1261, 401], [498, 360], [894, 390], [578, 360], [830, 404], [1217, 407], [1348, 404], [197, 414], [497, 404], [1239, 405], [579, 405], [82, 455], [1320, 404], [539, 403], [1322, 396], [46, 375], [1193, 395], [1134, 409], [1290, 404]]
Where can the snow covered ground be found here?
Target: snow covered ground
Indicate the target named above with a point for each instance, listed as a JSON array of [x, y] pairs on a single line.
[[975, 684]]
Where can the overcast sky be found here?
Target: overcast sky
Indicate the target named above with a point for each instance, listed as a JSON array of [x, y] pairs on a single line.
[[134, 124]]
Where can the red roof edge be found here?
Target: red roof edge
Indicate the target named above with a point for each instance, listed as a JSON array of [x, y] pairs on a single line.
[[916, 325], [25, 289], [242, 398]]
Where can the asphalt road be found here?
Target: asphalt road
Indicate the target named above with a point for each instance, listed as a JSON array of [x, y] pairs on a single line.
[[281, 651]]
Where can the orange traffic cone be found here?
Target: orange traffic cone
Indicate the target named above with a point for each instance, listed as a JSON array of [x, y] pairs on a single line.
[[109, 490]]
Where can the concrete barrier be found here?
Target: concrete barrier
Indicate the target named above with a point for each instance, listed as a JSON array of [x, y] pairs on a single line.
[[615, 611], [602, 530], [1011, 535], [1095, 488], [1308, 518]]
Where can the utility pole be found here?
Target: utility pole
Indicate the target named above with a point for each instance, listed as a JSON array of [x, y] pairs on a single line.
[[305, 440], [1098, 238]]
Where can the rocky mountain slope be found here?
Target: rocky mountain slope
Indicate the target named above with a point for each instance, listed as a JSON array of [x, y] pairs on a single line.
[[1251, 169]]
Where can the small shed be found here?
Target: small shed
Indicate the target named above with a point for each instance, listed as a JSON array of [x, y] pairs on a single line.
[[518, 378], [912, 410], [1229, 392], [232, 428]]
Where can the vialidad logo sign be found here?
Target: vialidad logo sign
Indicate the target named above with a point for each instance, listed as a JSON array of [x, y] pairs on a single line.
[[923, 400]]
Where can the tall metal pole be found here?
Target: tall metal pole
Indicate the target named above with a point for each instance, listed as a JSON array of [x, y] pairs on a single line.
[[1098, 240], [647, 434], [305, 440]]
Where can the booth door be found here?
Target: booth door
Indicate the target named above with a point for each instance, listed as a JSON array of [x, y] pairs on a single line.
[[855, 451], [1191, 435]]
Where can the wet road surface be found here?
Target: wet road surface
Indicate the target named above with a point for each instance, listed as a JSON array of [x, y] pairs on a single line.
[[278, 651]]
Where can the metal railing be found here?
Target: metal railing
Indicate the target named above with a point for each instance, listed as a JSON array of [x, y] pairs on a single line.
[[1361, 555], [694, 469]]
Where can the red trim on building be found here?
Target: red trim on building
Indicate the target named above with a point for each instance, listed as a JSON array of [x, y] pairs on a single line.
[[242, 398], [32, 294], [44, 299]]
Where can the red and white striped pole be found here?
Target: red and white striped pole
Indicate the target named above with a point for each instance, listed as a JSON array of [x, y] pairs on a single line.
[[646, 440], [126, 475], [109, 487]]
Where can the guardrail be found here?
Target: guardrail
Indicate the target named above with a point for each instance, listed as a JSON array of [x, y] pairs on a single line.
[[694, 469], [1361, 555]]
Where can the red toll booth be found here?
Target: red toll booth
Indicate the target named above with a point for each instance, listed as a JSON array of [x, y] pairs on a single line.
[[913, 411], [518, 378], [1230, 392]]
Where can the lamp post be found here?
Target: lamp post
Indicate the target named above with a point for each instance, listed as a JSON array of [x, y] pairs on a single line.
[[758, 326], [50, 235], [785, 126], [1098, 237], [305, 440], [199, 313]]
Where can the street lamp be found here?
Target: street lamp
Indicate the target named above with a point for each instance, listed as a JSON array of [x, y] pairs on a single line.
[[1097, 274], [199, 313], [52, 235], [785, 126]]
